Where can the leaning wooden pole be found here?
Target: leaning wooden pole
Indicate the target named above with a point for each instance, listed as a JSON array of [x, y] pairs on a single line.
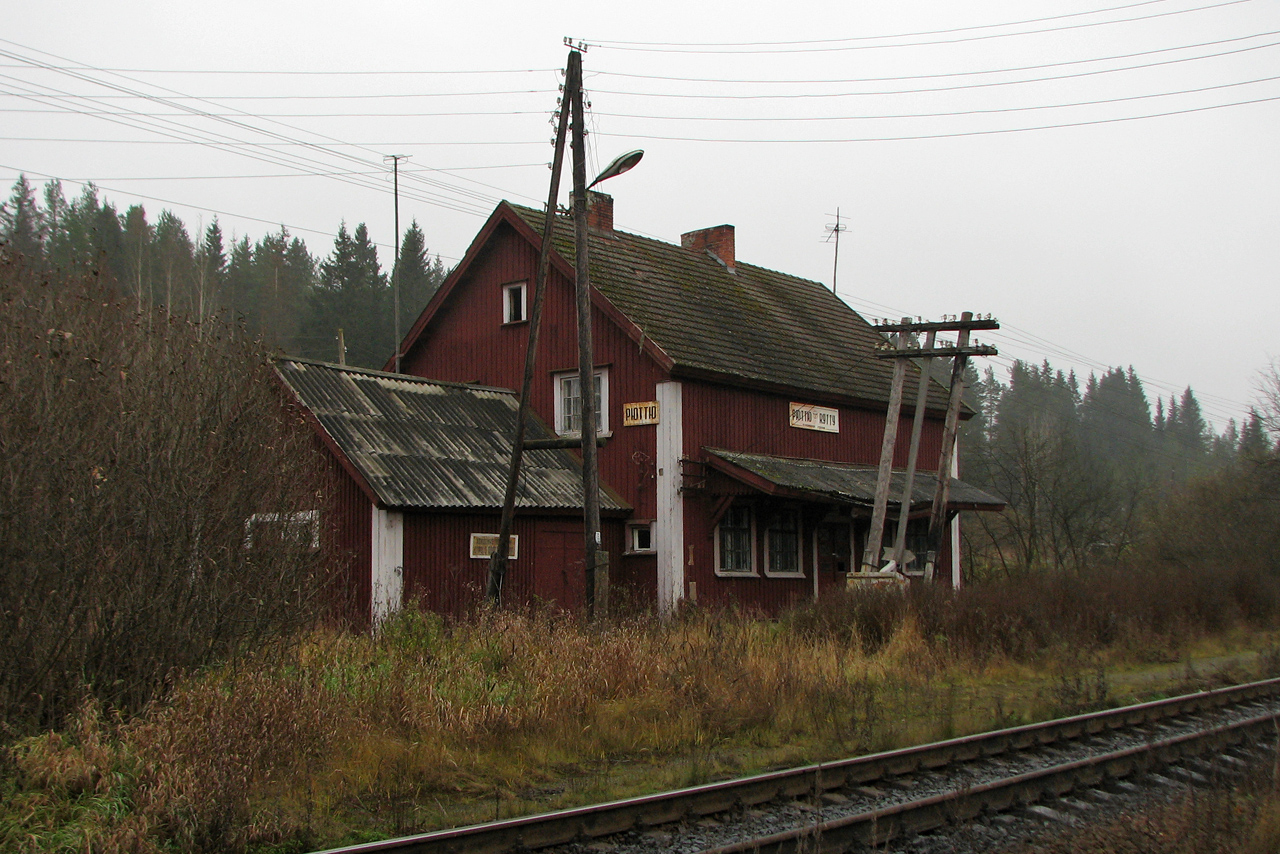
[[592, 546], [917, 429], [498, 562], [938, 518], [875, 537]]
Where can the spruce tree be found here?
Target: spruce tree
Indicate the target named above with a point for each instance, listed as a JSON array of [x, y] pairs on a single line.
[[351, 294], [21, 221]]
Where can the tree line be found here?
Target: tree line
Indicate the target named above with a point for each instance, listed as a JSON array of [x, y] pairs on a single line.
[[1085, 470], [274, 288]]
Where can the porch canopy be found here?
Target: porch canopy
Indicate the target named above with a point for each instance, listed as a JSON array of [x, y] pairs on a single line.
[[842, 483]]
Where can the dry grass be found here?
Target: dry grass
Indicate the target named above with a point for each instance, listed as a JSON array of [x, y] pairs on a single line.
[[431, 724]]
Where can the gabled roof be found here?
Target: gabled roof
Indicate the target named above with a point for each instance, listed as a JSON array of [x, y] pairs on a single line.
[[750, 325], [420, 444], [843, 482]]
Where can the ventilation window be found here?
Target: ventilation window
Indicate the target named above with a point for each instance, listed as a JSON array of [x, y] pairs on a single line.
[[514, 307]]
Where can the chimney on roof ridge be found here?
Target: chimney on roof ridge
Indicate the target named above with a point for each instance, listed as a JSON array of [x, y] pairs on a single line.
[[599, 211], [717, 240]]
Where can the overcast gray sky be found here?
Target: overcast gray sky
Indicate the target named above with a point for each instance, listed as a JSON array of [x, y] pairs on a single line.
[[1101, 175]]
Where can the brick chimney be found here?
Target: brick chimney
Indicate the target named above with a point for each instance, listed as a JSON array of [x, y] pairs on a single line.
[[717, 240], [599, 211]]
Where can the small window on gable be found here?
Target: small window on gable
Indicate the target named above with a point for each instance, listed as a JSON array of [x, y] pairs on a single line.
[[514, 305], [568, 403], [640, 537]]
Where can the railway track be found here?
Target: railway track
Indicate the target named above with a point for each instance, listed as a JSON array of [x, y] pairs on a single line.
[[869, 800]]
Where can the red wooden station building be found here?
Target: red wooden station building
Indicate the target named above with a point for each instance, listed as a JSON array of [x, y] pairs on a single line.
[[744, 411]]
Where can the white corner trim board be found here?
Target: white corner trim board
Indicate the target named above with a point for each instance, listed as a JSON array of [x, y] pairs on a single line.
[[668, 528], [387, 566]]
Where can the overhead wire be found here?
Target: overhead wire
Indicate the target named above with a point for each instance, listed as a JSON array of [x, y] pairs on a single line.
[[809, 47], [240, 124]]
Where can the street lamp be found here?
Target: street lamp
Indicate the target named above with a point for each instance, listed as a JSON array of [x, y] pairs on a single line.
[[620, 164]]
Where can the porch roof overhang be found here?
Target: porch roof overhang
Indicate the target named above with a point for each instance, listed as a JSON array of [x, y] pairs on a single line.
[[841, 483]]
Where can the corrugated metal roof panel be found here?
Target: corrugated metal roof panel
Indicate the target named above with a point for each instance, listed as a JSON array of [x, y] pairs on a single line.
[[851, 483], [432, 445]]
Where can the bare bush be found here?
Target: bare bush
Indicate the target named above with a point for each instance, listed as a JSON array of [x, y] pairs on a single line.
[[151, 486]]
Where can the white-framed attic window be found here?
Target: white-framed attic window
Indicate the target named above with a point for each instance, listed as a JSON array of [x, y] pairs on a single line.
[[515, 304]]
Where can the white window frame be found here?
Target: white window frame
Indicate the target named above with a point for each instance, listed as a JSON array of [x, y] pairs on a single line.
[[751, 538], [602, 411], [516, 293], [633, 527], [798, 572], [308, 520]]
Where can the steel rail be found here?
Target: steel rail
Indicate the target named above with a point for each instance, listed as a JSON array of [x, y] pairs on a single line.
[[561, 827], [877, 827]]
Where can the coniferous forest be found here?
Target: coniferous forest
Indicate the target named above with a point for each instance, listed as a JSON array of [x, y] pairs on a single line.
[[274, 288]]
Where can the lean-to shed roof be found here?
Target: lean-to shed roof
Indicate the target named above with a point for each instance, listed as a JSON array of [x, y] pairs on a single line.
[[420, 444]]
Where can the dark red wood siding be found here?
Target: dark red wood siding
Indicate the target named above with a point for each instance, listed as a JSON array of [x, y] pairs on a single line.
[[349, 527]]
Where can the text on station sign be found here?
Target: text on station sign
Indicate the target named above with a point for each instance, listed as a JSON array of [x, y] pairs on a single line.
[[635, 414], [809, 417]]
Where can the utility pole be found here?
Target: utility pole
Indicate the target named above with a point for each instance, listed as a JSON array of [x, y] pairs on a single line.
[[960, 353], [395, 266], [498, 561], [875, 537], [917, 428], [593, 548], [833, 231]]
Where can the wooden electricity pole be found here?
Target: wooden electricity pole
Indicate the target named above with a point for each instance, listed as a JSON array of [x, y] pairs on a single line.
[[960, 353], [875, 537], [498, 562], [593, 549]]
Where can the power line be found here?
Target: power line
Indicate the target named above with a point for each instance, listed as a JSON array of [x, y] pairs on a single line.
[[948, 135], [958, 87], [730, 49], [915, 34], [948, 113]]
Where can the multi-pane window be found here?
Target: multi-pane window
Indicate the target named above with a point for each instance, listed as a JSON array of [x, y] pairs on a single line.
[[569, 403], [734, 551], [782, 543]]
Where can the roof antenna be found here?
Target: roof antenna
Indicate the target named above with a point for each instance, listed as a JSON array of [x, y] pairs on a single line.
[[833, 231]]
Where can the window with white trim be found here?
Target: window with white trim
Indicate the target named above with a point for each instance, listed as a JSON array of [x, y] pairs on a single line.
[[569, 403], [298, 530], [514, 303], [735, 542], [782, 543], [640, 537]]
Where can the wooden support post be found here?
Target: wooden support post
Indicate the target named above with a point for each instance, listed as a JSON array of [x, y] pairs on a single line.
[[875, 537], [498, 562], [586, 363], [917, 428], [938, 518]]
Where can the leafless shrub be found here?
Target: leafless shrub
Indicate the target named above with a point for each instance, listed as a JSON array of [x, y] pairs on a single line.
[[150, 486]]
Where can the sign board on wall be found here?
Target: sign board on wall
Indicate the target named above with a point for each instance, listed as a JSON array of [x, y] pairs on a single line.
[[636, 414], [484, 545], [809, 417]]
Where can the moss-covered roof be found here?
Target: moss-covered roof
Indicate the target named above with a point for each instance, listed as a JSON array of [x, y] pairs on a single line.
[[750, 324]]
